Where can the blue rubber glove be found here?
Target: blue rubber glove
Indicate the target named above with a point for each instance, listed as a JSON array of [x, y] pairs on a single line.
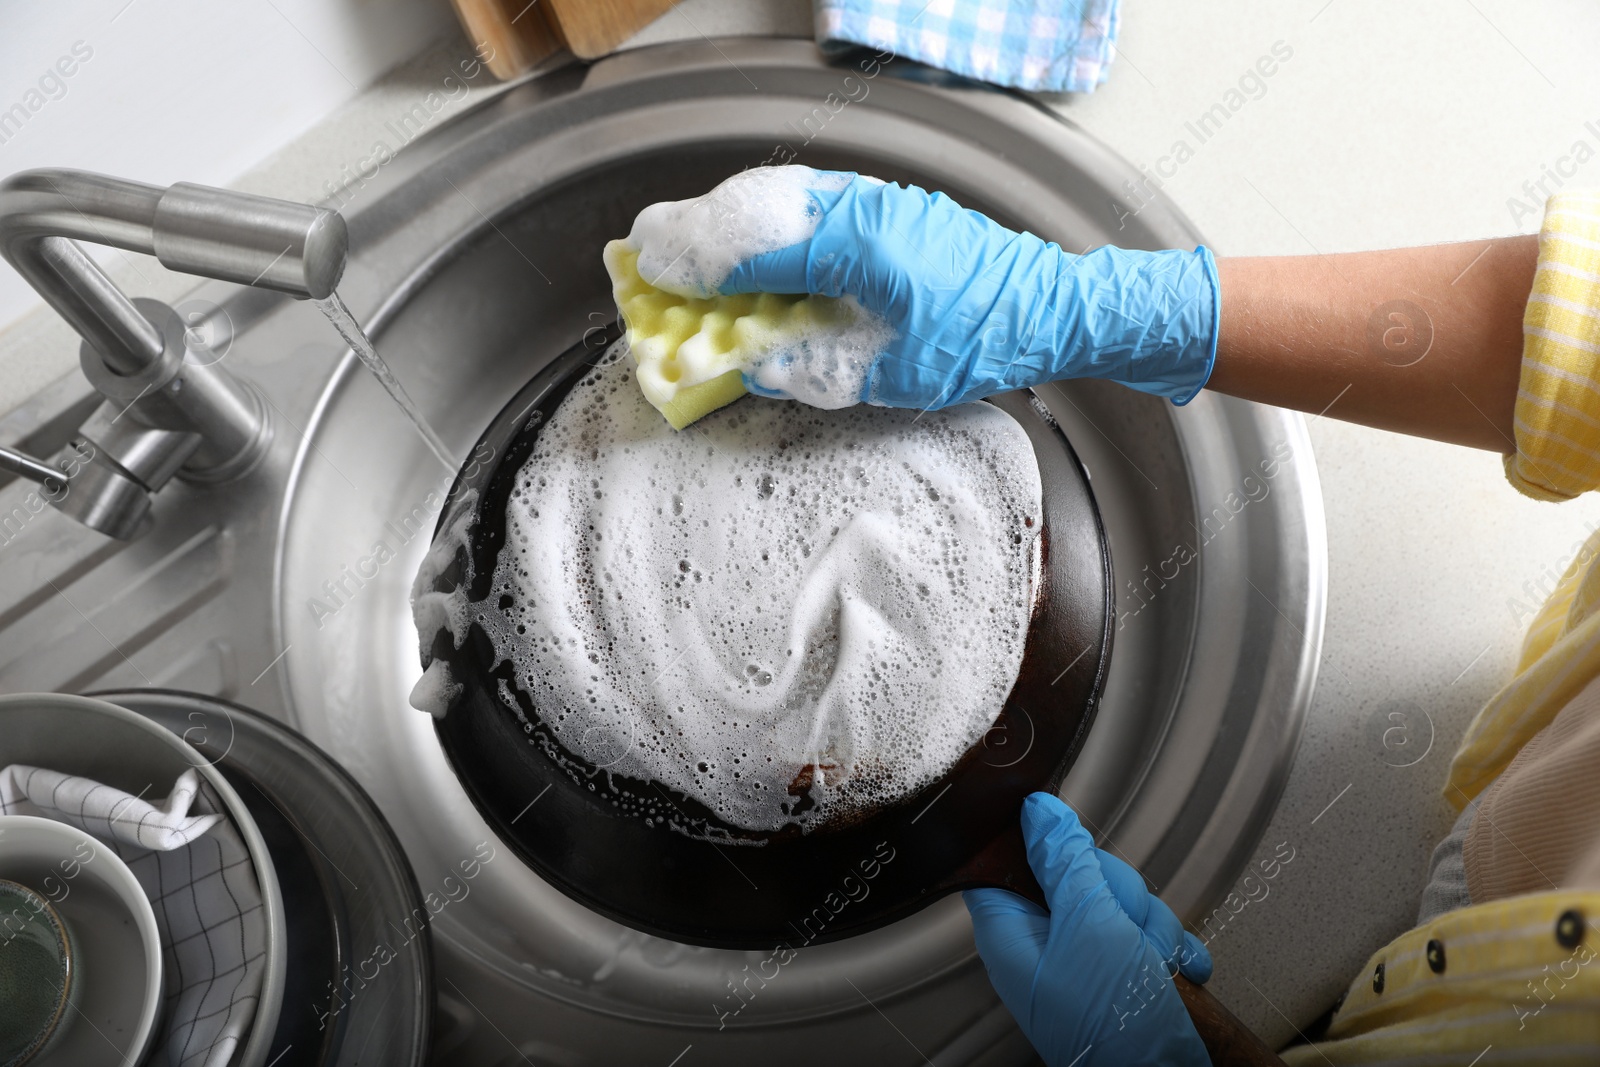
[[1089, 981], [980, 309]]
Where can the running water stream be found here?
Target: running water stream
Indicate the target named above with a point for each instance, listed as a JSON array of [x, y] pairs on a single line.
[[338, 314]]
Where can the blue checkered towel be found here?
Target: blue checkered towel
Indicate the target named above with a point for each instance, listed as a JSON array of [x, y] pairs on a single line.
[[1045, 45]]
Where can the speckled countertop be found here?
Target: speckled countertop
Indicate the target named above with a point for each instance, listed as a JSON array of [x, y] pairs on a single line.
[[1388, 125], [1385, 125]]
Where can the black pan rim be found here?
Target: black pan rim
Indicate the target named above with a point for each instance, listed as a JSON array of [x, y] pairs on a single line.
[[1005, 864]]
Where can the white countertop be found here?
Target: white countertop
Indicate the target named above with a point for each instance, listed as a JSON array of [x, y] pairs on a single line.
[[1387, 125]]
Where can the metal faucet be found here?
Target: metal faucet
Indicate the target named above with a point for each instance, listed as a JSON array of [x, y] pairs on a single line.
[[172, 411]]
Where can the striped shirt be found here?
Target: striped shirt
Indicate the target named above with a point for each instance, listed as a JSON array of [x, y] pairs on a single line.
[[1514, 978]]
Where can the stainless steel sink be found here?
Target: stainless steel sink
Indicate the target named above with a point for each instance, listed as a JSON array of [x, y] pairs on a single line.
[[474, 259]]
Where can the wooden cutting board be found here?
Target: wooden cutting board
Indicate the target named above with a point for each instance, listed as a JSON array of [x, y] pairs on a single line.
[[513, 35], [591, 28], [510, 39]]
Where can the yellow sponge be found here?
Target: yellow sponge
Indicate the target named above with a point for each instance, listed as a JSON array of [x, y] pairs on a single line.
[[690, 352]]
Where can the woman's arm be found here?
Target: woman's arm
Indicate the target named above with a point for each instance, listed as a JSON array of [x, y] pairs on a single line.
[[1424, 341]]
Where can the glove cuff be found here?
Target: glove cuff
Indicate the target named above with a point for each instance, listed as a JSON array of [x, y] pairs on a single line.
[[1208, 263], [1146, 319]]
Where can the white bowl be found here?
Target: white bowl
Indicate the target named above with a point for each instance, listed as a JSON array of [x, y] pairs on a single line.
[[111, 926], [110, 744]]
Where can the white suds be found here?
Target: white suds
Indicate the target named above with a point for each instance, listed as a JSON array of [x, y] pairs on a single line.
[[787, 614], [432, 611], [435, 690], [824, 368], [689, 247]]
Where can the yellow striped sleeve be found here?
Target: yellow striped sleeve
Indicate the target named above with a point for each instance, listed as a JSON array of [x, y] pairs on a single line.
[[1558, 399], [1560, 656], [1515, 981]]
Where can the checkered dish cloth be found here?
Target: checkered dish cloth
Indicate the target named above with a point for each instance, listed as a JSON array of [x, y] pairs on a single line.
[[193, 865], [1043, 45]]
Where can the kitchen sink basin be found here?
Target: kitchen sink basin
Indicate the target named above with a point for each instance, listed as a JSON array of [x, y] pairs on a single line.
[[474, 260]]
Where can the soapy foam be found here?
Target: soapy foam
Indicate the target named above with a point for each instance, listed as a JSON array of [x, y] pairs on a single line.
[[434, 612], [815, 349], [435, 690], [787, 614], [666, 275], [689, 247], [823, 368]]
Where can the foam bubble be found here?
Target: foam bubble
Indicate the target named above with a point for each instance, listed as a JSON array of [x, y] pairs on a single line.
[[787, 614], [432, 611], [823, 367], [435, 690], [689, 247]]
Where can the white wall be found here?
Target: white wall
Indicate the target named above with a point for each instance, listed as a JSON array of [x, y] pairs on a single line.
[[184, 90]]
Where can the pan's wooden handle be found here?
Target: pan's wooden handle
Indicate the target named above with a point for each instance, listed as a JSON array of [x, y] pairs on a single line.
[[1228, 1040]]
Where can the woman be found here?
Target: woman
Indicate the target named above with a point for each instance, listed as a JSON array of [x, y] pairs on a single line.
[[1499, 967]]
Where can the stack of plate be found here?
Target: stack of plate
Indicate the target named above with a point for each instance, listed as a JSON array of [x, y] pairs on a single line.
[[348, 974]]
